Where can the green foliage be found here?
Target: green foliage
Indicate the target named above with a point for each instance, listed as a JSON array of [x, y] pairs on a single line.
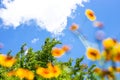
[[40, 58]]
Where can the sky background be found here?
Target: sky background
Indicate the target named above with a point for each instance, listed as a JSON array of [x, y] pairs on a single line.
[[34, 32]]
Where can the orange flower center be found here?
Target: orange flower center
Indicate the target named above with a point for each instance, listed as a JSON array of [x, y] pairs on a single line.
[[46, 72], [8, 58], [93, 53], [91, 14]]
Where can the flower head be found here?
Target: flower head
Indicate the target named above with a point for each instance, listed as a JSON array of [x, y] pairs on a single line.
[[55, 70], [118, 69], [93, 53], [24, 73], [57, 52], [7, 61], [44, 72], [108, 43], [90, 15], [74, 27], [116, 57], [107, 55], [97, 70]]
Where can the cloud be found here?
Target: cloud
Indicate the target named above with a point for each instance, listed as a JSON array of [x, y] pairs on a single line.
[[49, 14], [34, 40]]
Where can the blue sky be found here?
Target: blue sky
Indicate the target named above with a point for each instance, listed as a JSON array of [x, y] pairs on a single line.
[[31, 33]]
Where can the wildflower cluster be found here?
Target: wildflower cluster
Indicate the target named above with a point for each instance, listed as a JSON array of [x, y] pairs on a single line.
[[110, 52], [43, 64]]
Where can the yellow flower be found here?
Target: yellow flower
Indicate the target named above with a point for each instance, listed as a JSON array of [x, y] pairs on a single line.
[[118, 69], [24, 73], [108, 43], [57, 52], [29, 75], [2, 59], [90, 15], [116, 58], [93, 53], [44, 72], [107, 55], [7, 61], [111, 69], [97, 70], [54, 69], [20, 73], [74, 27]]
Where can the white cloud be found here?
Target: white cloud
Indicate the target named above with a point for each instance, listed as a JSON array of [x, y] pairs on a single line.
[[34, 40], [49, 14]]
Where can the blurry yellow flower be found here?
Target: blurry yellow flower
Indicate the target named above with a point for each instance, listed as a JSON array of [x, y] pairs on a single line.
[[55, 70], [118, 69], [20, 73], [57, 52], [108, 74], [29, 75], [108, 43], [116, 58], [117, 47], [24, 73], [44, 72], [93, 53], [107, 55], [2, 59], [97, 71], [74, 27], [111, 69], [7, 61], [90, 15]]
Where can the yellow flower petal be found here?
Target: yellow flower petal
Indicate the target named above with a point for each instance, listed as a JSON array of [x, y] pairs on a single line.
[[57, 52], [44, 72], [93, 54], [90, 15], [108, 43]]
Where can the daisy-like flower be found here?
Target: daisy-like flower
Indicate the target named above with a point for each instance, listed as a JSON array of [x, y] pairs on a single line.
[[93, 54], [57, 52], [114, 69], [90, 15], [7, 61], [108, 43], [74, 27], [44, 72], [54, 69], [111, 69], [24, 73], [118, 69], [115, 52], [116, 57], [107, 55], [97, 70]]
